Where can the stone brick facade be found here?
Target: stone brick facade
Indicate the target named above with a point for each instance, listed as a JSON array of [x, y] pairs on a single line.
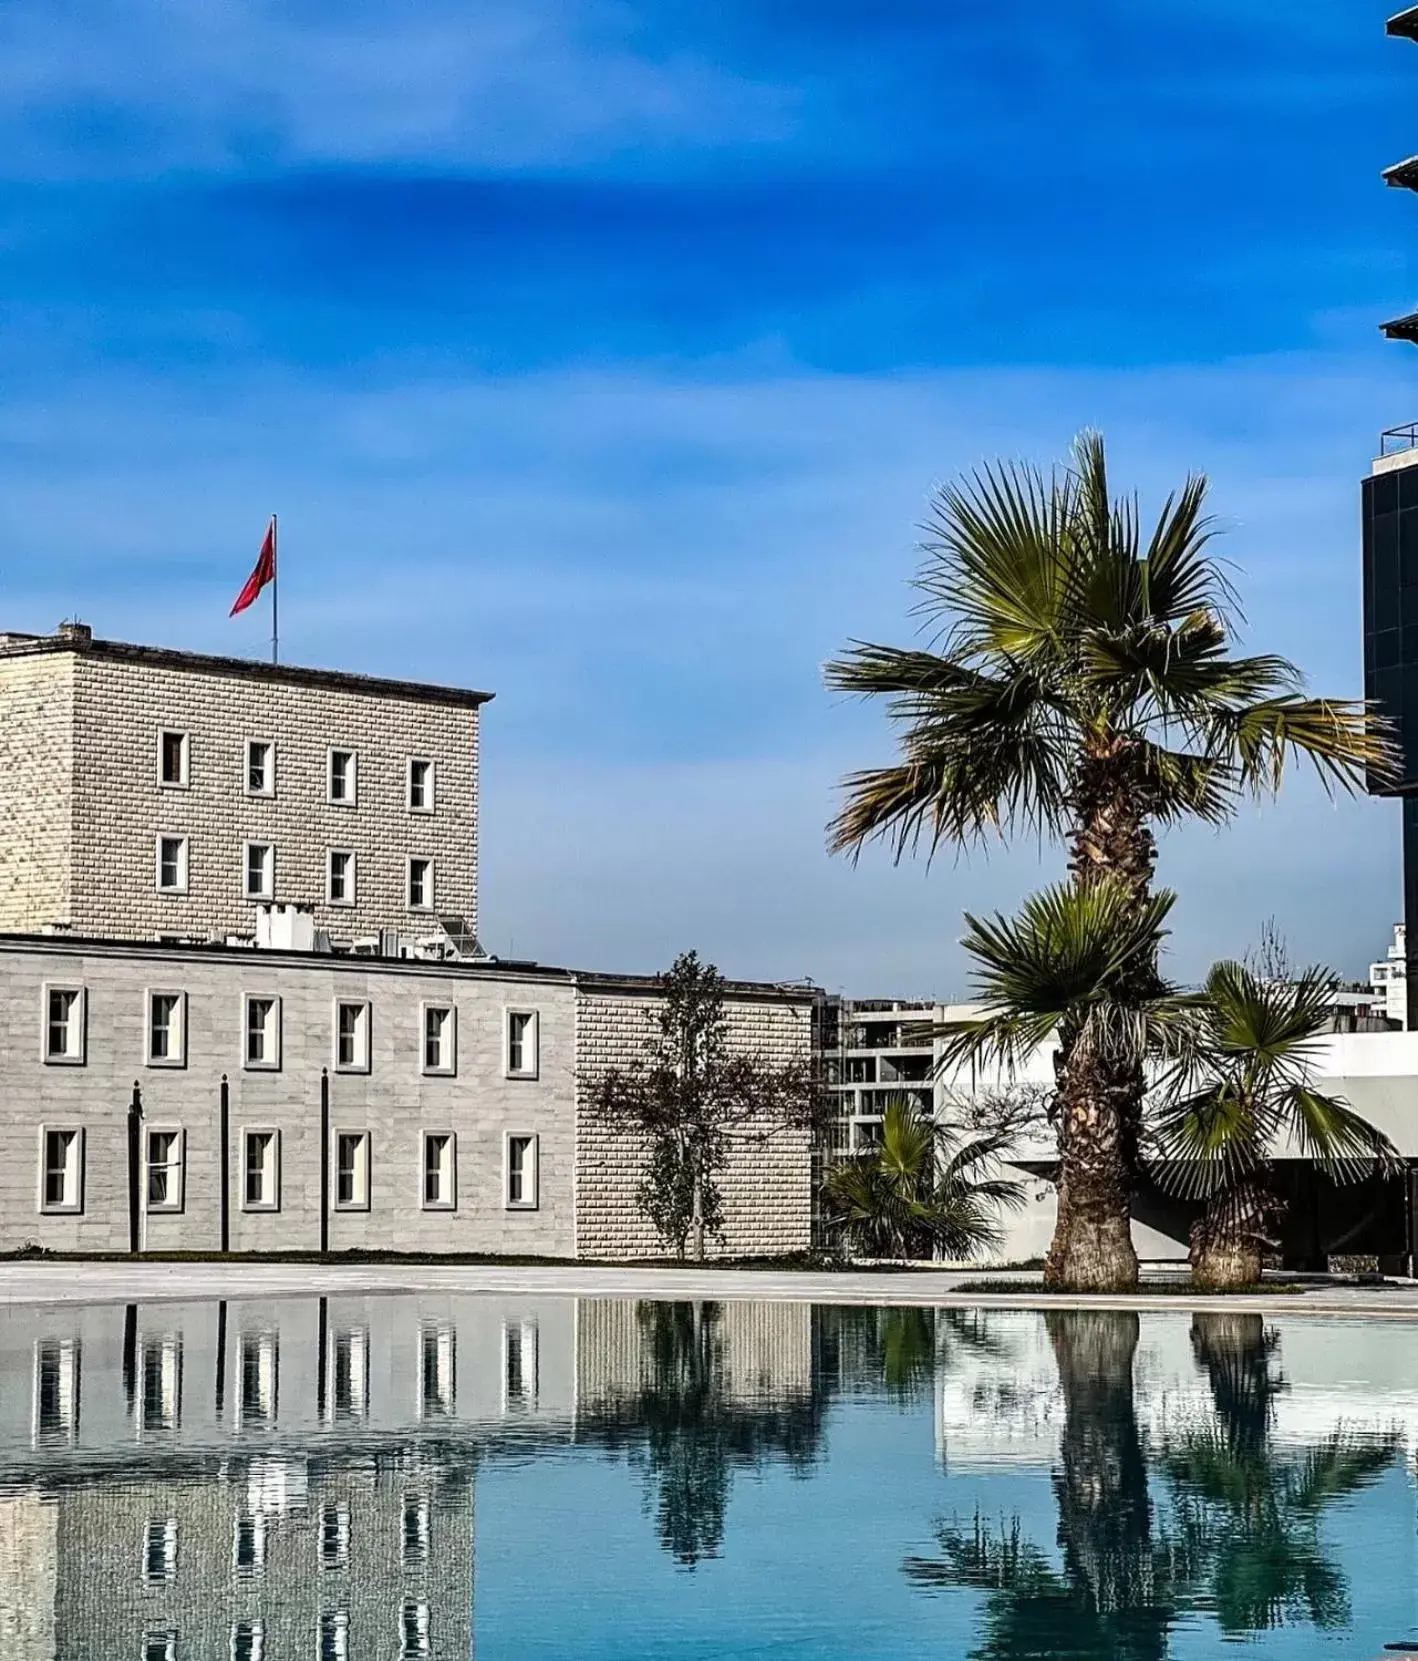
[[82, 803], [394, 1101], [766, 1186], [36, 790], [587, 1171]]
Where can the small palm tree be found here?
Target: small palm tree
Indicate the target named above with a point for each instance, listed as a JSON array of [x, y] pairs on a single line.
[[1077, 968], [1080, 683], [1248, 1084], [922, 1191]]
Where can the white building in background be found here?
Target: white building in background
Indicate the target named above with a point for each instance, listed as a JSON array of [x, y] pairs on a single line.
[[1389, 979]]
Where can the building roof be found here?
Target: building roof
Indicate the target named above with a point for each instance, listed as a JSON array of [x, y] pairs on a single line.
[[1402, 328], [1403, 174], [602, 982], [1404, 23], [78, 639]]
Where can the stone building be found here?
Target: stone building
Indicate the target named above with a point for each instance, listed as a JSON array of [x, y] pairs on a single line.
[[244, 1007], [147, 793]]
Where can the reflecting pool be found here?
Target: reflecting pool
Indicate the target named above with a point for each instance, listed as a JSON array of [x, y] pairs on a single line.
[[375, 1477]]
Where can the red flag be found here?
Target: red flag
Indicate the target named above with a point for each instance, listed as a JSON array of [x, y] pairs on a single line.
[[265, 571]]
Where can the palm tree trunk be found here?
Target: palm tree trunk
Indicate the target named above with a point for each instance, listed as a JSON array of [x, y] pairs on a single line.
[[1092, 1248], [1229, 1241], [1101, 1100]]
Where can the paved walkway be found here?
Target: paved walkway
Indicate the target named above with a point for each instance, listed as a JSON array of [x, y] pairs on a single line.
[[39, 1282]]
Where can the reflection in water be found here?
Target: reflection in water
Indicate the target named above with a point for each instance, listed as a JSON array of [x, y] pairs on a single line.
[[1239, 1533], [1250, 1512], [303, 1477]]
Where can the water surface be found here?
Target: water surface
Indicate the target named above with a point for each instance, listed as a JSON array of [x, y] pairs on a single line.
[[394, 1476]]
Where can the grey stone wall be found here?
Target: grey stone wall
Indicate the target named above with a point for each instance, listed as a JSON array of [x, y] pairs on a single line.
[[82, 805], [394, 1101], [36, 790], [766, 1186]]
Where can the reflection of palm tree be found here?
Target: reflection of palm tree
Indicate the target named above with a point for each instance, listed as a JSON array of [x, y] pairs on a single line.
[[1250, 1512], [899, 1352], [1119, 1585]]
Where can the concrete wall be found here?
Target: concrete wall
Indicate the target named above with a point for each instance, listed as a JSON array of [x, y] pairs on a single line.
[[766, 1186], [81, 804], [394, 1101]]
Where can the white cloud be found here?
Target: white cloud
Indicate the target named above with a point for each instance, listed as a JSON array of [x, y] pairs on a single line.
[[162, 84]]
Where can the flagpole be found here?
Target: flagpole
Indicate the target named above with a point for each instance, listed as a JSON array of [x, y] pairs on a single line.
[[275, 586]]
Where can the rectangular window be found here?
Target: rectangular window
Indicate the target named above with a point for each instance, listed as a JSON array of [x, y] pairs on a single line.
[[64, 1023], [160, 1551], [520, 1345], [335, 1537], [521, 1057], [420, 884], [172, 758], [248, 1641], [159, 1646], [260, 871], [348, 1387], [417, 1521], [165, 1169], [261, 1179], [334, 1635], [420, 785], [439, 1177], [260, 1379], [351, 1036], [62, 1168], [167, 1029], [344, 782], [415, 1629], [352, 1170], [521, 1167], [172, 864], [56, 1391], [260, 767], [438, 1371], [340, 877], [263, 1033], [161, 1401], [439, 1039], [248, 1546]]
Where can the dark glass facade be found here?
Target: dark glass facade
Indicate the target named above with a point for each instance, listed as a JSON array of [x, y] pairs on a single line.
[[1390, 513], [1391, 611]]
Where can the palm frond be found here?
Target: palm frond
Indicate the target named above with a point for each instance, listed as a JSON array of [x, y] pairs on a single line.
[[1343, 739]]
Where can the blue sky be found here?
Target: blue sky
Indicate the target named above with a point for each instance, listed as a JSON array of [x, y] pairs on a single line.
[[605, 354]]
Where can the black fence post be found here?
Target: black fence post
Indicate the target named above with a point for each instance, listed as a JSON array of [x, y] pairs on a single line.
[[135, 1168], [324, 1160], [224, 1166]]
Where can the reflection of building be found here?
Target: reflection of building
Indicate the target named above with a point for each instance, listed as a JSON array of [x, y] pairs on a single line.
[[350, 1557], [296, 1478], [763, 1352], [252, 889]]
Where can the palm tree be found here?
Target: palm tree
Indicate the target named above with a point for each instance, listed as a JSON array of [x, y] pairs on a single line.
[[1078, 967], [922, 1191], [1079, 683], [1248, 1085]]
